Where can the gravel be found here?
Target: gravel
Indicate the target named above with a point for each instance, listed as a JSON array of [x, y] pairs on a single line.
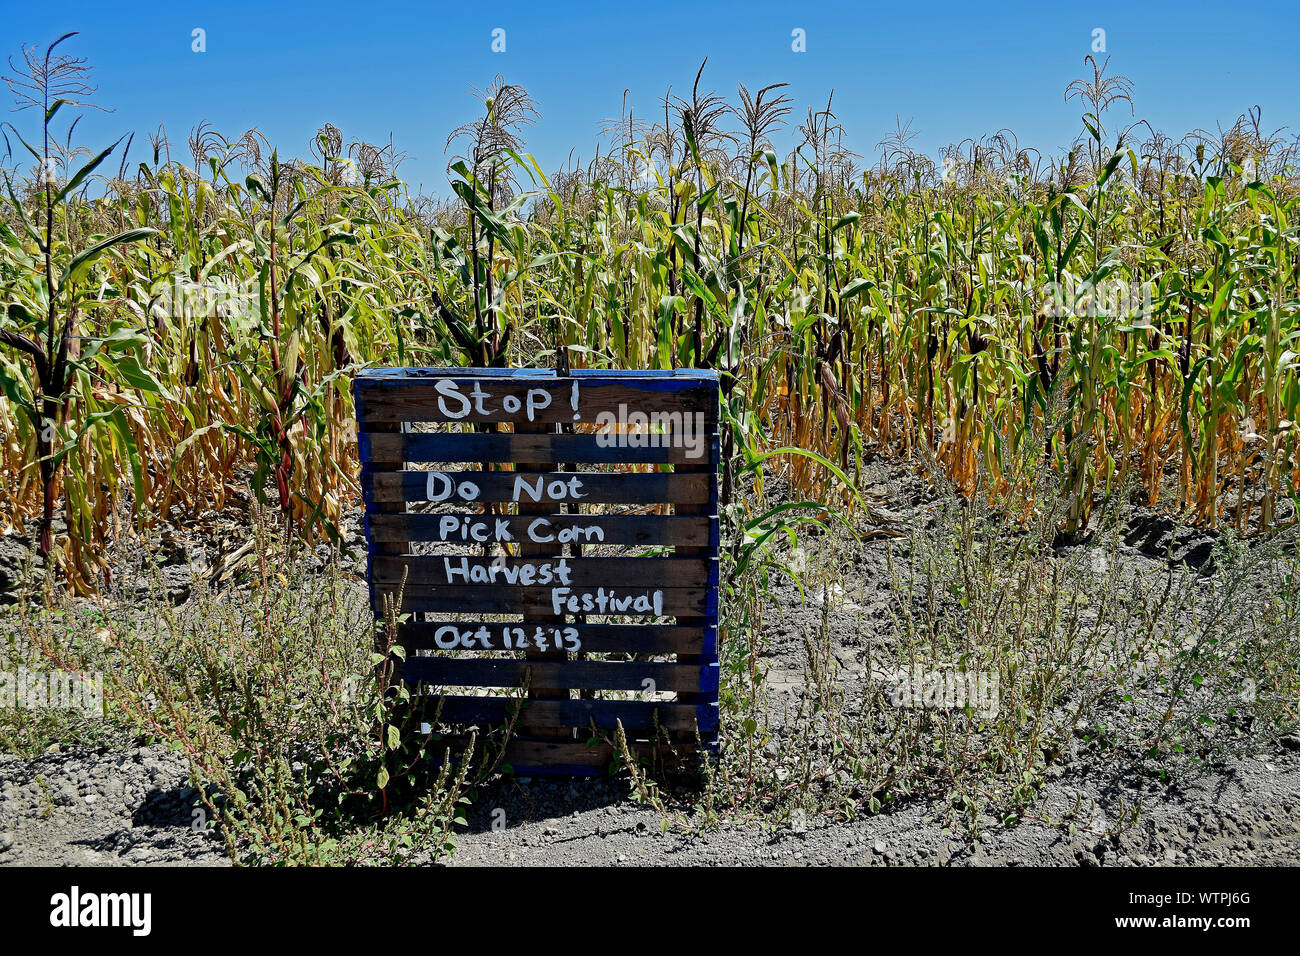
[[1244, 814], [101, 808], [127, 805]]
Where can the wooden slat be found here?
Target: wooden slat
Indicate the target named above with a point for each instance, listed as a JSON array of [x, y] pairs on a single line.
[[418, 401], [529, 755], [486, 599], [593, 638], [708, 660], [541, 688], [392, 544], [636, 715], [548, 571], [584, 448], [586, 675], [555, 487], [686, 583], [647, 530]]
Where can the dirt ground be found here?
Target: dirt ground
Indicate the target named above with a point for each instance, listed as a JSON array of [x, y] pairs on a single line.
[[120, 804], [132, 807]]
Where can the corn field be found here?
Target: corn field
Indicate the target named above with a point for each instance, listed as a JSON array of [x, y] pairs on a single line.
[[1122, 317]]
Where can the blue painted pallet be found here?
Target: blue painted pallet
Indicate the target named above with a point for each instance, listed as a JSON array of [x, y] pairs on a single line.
[[388, 398]]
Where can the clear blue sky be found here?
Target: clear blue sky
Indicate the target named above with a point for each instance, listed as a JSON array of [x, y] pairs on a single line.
[[953, 69]]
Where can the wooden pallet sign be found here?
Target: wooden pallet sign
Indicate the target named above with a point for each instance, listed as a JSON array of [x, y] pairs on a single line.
[[551, 544]]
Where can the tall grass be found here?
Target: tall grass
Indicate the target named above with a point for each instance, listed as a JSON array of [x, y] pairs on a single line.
[[1128, 309]]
